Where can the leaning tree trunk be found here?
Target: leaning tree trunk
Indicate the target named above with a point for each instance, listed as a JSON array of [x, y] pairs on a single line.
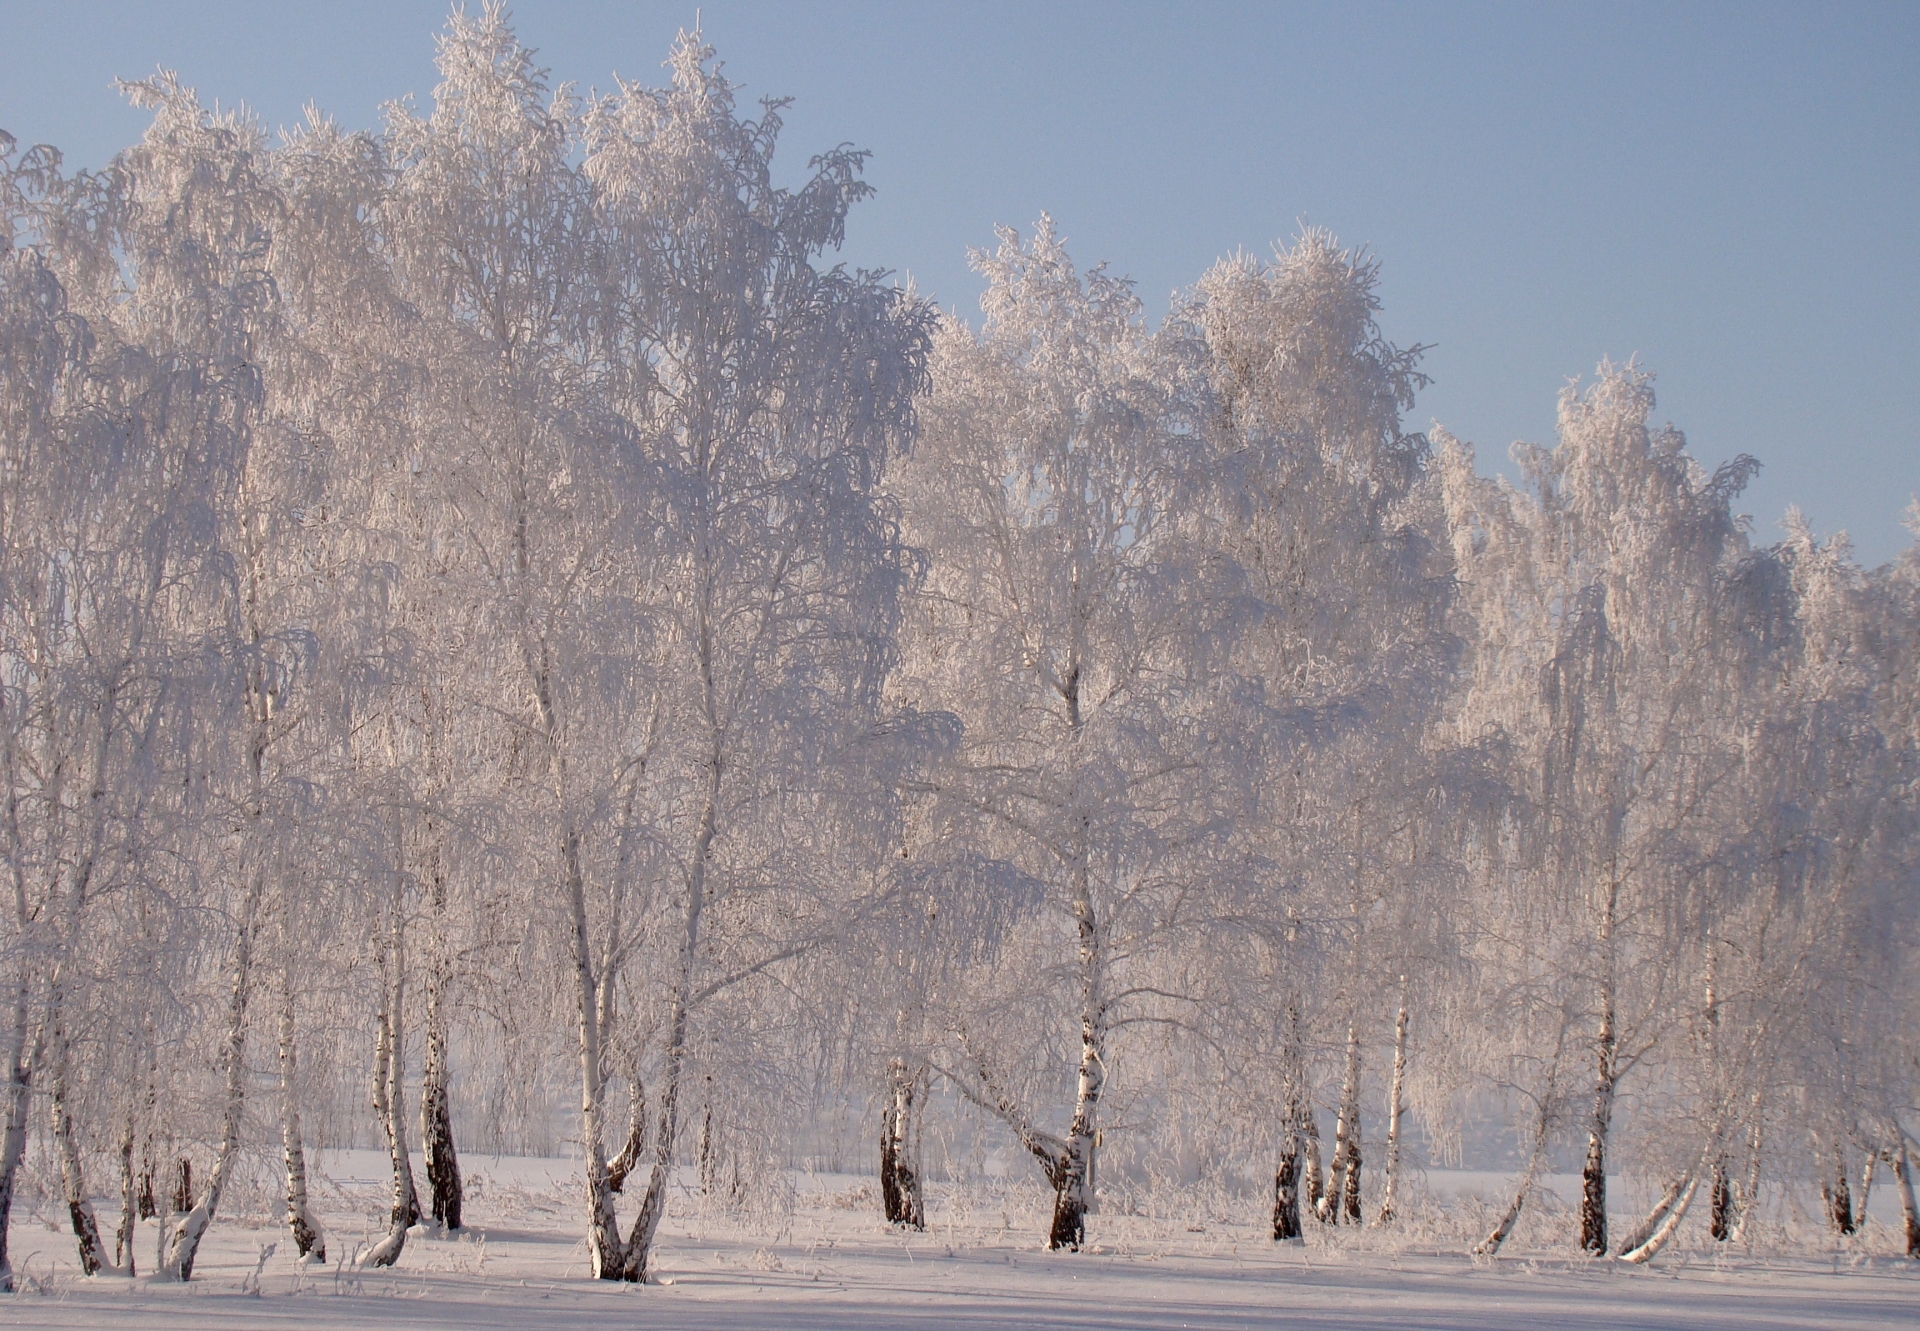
[[1643, 1231], [1542, 1129], [308, 1240], [1490, 1245], [1396, 1101], [902, 1194], [1645, 1250]]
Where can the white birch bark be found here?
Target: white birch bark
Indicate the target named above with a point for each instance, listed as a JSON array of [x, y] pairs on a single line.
[[308, 1239], [1396, 1102], [389, 1082]]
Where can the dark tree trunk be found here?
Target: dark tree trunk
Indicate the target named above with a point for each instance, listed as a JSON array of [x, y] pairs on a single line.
[[1286, 1191], [901, 1195], [1839, 1196], [1721, 1226]]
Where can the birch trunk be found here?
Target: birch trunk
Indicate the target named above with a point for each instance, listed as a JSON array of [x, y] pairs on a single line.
[[1837, 1195], [1909, 1216], [389, 1083], [1286, 1177], [623, 1164], [13, 1144], [1720, 1224], [1343, 1186], [1396, 1100], [436, 1110], [86, 1226], [1646, 1251], [1074, 1198], [308, 1241], [129, 1202], [1490, 1245], [1641, 1232], [183, 1234], [901, 1191], [1593, 1174], [1316, 1185]]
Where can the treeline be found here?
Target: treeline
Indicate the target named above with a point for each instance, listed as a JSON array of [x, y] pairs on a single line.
[[491, 595]]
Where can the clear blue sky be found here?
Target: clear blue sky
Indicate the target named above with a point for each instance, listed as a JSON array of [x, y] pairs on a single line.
[[1729, 192]]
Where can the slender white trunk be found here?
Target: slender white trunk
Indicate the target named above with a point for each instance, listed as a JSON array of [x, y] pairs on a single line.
[[308, 1240], [389, 1083], [1396, 1102], [1593, 1177], [1641, 1232], [129, 1201], [1343, 1186]]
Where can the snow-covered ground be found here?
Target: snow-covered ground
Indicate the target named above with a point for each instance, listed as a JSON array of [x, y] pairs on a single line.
[[820, 1258]]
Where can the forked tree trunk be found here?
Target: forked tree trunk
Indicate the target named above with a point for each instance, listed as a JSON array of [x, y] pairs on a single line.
[[1542, 1130], [1396, 1103], [623, 1164], [181, 1238], [308, 1240], [1909, 1217], [902, 1196]]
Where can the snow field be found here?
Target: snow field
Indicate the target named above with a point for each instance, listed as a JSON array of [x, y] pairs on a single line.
[[823, 1259]]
